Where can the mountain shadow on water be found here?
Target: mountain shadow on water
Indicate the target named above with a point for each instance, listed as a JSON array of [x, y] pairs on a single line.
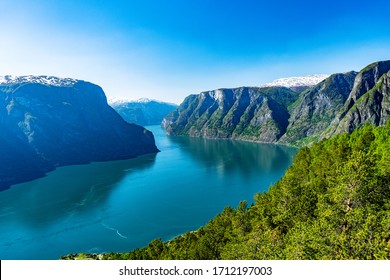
[[236, 156], [68, 190], [48, 122]]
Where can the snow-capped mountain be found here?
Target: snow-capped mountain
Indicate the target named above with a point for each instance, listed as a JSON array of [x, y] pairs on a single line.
[[43, 80], [123, 100], [294, 82], [143, 111]]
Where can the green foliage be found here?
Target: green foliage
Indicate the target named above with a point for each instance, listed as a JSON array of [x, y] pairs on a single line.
[[332, 203], [248, 113]]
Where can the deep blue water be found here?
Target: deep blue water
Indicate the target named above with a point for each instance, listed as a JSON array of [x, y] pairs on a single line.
[[122, 205]]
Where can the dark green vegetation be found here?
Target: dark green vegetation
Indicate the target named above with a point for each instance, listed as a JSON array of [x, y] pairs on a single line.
[[144, 112], [340, 103], [332, 203]]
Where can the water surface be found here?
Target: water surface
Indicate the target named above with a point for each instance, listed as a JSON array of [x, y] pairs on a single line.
[[123, 205]]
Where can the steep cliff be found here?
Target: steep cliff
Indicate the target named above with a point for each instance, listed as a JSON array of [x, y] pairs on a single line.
[[250, 113], [316, 108], [368, 101], [340, 103], [48, 122]]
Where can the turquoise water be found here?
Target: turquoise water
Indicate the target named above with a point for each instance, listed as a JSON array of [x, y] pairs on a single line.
[[123, 205]]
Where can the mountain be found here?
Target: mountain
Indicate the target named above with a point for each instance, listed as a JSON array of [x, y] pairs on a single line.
[[299, 84], [49, 121], [143, 111], [340, 103], [250, 113], [368, 101], [317, 107]]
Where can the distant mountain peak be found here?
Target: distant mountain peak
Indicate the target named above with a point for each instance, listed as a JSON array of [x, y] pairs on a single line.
[[144, 100], [117, 100], [42, 79], [143, 111], [45, 126], [112, 100], [301, 81]]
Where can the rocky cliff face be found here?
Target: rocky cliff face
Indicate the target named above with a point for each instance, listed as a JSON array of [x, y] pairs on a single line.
[[52, 122], [142, 112], [340, 103], [317, 107], [258, 114], [368, 101]]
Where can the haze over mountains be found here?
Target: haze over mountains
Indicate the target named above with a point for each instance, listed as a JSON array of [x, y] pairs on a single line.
[[48, 122], [285, 114], [142, 111]]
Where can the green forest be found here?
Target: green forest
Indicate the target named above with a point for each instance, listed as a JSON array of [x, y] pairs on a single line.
[[332, 203]]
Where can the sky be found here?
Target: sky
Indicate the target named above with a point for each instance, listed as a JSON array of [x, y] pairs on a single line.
[[166, 50]]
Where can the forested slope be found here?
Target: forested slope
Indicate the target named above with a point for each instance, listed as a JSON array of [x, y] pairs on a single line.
[[332, 203]]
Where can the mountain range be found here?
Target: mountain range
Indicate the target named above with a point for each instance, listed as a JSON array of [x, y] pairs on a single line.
[[288, 112], [143, 111], [48, 122]]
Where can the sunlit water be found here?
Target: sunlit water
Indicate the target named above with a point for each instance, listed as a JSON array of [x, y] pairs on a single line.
[[123, 205]]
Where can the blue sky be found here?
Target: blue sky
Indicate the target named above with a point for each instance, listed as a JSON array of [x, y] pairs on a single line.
[[167, 50]]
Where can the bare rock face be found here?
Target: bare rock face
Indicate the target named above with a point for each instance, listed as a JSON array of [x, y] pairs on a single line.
[[372, 107], [49, 122], [367, 102], [340, 103], [250, 113], [318, 107]]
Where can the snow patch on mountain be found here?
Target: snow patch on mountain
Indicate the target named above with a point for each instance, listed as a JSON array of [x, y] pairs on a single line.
[[30, 79], [117, 100], [123, 100], [112, 100], [290, 82]]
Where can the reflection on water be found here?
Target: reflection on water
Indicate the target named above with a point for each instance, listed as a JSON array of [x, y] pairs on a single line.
[[69, 190], [237, 156], [123, 205]]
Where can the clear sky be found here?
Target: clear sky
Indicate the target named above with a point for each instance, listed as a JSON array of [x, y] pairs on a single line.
[[169, 49]]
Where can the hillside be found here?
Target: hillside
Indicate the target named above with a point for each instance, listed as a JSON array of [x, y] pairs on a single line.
[[143, 111], [332, 203], [316, 108], [48, 122], [340, 103], [259, 114]]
